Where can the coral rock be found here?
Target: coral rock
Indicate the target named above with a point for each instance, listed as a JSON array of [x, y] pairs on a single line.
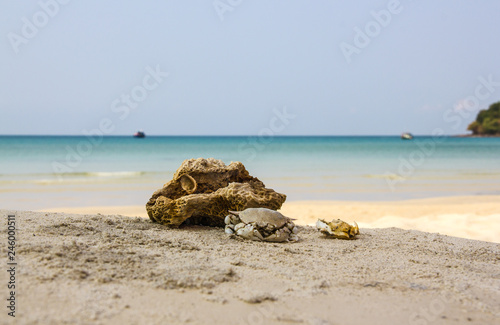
[[203, 190]]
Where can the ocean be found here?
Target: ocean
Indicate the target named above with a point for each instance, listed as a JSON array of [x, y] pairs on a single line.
[[38, 172]]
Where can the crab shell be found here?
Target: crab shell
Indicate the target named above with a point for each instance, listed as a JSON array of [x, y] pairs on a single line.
[[338, 228], [261, 224]]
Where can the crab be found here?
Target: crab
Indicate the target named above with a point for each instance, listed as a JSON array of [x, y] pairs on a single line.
[[261, 224], [338, 228]]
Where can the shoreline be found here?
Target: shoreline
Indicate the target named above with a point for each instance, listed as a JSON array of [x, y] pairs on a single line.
[[472, 217]]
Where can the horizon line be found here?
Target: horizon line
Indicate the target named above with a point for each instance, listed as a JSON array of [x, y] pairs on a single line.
[[232, 135]]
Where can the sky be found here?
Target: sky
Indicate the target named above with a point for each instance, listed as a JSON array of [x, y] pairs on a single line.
[[241, 67]]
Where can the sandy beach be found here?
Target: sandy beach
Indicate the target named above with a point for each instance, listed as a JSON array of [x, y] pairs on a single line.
[[136, 134], [107, 268], [472, 217]]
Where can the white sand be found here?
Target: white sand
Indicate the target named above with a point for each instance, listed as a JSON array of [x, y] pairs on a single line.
[[473, 217], [82, 269]]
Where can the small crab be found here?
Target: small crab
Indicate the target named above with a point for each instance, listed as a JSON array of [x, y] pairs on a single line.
[[261, 224], [338, 228]]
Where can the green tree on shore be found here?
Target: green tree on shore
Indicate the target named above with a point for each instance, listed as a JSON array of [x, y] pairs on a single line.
[[487, 121]]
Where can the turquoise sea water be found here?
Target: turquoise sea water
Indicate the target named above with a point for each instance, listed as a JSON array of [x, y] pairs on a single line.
[[58, 171]]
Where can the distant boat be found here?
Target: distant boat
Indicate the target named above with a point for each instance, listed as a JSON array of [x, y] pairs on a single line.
[[139, 134], [406, 136]]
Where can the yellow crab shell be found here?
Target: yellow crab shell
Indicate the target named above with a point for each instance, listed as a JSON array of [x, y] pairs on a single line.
[[338, 228]]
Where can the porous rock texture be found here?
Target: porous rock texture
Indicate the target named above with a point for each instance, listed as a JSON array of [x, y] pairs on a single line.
[[203, 190]]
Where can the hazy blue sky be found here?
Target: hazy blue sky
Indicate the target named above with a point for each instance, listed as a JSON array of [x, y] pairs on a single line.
[[340, 67]]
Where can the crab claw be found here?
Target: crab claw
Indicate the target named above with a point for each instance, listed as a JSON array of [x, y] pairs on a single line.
[[280, 235], [321, 225], [355, 229], [231, 219], [249, 232]]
